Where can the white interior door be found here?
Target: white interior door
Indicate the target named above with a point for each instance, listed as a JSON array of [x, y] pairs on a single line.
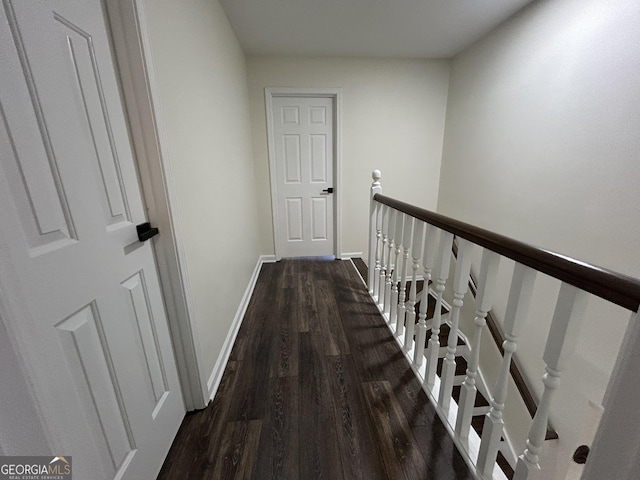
[[80, 294], [304, 152]]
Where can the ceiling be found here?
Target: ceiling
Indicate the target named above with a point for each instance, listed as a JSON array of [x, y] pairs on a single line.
[[365, 28]]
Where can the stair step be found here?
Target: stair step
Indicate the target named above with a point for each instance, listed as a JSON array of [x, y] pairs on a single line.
[[504, 465], [461, 366], [444, 335], [480, 401]]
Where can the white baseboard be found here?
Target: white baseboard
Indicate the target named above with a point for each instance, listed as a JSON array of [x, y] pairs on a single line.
[[348, 255], [267, 259], [216, 375]]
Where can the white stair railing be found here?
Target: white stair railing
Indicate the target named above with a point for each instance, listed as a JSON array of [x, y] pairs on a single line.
[[562, 339], [402, 289], [442, 269], [398, 230], [409, 305], [383, 226], [395, 278], [517, 309], [484, 298], [428, 256], [390, 228], [460, 287]]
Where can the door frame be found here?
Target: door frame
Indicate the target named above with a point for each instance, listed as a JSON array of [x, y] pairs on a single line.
[[127, 25], [314, 92]]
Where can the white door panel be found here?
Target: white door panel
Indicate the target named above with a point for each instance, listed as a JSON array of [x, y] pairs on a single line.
[[86, 307], [304, 149]]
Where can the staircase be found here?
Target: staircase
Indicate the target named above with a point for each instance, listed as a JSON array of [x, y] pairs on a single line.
[[408, 245]]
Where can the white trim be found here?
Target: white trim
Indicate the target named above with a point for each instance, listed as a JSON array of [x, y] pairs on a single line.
[[336, 95], [132, 50], [223, 358], [268, 258], [350, 255]]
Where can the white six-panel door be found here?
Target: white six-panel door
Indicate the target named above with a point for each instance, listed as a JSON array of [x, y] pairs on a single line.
[[80, 294], [304, 152]]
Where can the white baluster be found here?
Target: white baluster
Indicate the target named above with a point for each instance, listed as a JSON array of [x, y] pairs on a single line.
[[407, 237], [374, 234], [561, 342], [416, 248], [393, 314], [443, 261], [484, 299], [384, 258], [379, 254], [517, 308], [460, 287], [391, 268], [430, 242]]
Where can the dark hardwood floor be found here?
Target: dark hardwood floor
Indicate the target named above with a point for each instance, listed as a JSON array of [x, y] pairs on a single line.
[[315, 388]]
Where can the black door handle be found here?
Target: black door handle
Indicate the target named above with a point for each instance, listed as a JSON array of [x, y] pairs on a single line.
[[146, 231], [328, 190]]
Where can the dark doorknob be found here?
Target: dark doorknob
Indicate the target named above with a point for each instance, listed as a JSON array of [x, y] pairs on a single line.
[[146, 231], [328, 190]]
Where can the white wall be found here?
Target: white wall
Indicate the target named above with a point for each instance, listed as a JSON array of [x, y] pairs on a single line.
[[202, 83], [392, 119], [542, 144]]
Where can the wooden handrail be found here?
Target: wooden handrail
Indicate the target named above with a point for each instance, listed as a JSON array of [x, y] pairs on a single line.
[[604, 283]]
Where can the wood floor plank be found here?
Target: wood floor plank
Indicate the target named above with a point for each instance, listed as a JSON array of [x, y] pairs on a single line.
[[329, 323], [354, 427], [285, 334], [279, 444], [288, 276], [285, 353], [307, 308], [397, 445], [442, 458], [200, 433], [253, 376], [319, 456], [238, 448]]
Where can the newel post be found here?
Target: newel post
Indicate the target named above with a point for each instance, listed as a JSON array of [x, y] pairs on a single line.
[[375, 232]]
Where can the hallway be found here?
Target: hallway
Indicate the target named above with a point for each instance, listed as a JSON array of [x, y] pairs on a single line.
[[315, 387]]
